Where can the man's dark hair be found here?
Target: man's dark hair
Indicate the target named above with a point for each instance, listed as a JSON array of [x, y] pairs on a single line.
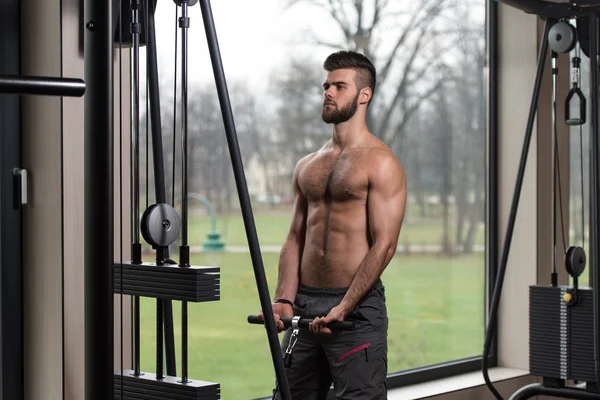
[[366, 75]]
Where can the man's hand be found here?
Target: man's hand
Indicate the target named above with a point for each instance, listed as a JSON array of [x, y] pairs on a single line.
[[319, 324], [279, 310]]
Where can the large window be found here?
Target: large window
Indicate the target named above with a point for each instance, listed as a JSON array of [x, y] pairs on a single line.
[[430, 109]]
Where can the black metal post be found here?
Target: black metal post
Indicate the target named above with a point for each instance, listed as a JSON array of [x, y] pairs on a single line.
[[48, 86], [155, 118], [594, 185], [244, 197], [499, 281], [99, 191]]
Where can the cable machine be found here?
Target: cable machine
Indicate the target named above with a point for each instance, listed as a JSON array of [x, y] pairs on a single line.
[[130, 24], [564, 332]]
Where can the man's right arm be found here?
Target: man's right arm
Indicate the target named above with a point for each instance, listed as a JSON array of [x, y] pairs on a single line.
[[291, 255], [291, 251]]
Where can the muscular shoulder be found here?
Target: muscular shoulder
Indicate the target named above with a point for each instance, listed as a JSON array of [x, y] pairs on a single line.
[[385, 168], [304, 160], [301, 163]]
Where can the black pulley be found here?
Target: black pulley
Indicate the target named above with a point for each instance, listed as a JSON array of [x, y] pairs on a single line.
[[575, 260], [190, 2], [562, 37], [160, 225]]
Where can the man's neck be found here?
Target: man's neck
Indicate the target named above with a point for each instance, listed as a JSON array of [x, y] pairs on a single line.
[[348, 134]]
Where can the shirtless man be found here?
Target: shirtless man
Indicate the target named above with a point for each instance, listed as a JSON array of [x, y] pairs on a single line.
[[349, 206]]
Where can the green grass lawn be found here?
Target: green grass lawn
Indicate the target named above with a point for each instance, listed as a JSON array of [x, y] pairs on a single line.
[[435, 307], [272, 227]]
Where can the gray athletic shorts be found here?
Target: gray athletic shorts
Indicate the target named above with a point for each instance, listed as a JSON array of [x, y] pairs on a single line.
[[354, 361]]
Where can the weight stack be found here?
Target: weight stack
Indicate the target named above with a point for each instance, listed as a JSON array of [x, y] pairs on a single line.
[[561, 337]]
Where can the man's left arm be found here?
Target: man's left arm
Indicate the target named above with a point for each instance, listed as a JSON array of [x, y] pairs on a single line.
[[386, 203]]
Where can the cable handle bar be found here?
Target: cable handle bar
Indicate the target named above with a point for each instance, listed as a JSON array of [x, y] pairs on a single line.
[[302, 322]]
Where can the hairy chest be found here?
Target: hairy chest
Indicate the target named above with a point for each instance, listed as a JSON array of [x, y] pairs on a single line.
[[329, 178]]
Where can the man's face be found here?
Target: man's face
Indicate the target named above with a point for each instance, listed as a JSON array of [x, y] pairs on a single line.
[[341, 97]]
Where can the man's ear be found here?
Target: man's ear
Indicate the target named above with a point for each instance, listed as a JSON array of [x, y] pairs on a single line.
[[365, 95]]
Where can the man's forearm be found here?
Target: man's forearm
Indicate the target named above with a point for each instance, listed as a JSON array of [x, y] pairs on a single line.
[[288, 273], [367, 274]]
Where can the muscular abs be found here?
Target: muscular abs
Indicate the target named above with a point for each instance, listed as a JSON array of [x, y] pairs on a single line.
[[335, 185]]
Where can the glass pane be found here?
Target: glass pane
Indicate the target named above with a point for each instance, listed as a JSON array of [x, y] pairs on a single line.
[[429, 108]]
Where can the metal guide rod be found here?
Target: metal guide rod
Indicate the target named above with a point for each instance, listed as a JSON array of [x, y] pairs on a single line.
[[135, 173], [244, 197], [554, 274], [135, 115], [184, 24], [98, 201], [39, 85]]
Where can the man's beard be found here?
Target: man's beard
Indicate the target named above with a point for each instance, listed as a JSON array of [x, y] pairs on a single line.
[[338, 116]]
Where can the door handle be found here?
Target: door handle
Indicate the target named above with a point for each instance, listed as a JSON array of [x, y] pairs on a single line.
[[20, 176]]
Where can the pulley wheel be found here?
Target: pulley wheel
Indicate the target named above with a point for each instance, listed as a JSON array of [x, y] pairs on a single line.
[[575, 261], [190, 2], [562, 37], [160, 225]]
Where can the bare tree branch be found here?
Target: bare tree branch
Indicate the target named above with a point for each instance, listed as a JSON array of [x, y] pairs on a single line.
[[321, 42], [407, 113], [290, 3], [340, 17], [430, 11], [402, 87], [358, 4]]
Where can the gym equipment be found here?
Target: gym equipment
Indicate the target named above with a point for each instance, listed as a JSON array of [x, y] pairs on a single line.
[[46, 86], [564, 330], [160, 225], [165, 280], [99, 203], [300, 322], [296, 323], [575, 94]]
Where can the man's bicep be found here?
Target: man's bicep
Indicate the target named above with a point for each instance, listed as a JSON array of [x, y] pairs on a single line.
[[298, 223], [300, 208], [387, 203]]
